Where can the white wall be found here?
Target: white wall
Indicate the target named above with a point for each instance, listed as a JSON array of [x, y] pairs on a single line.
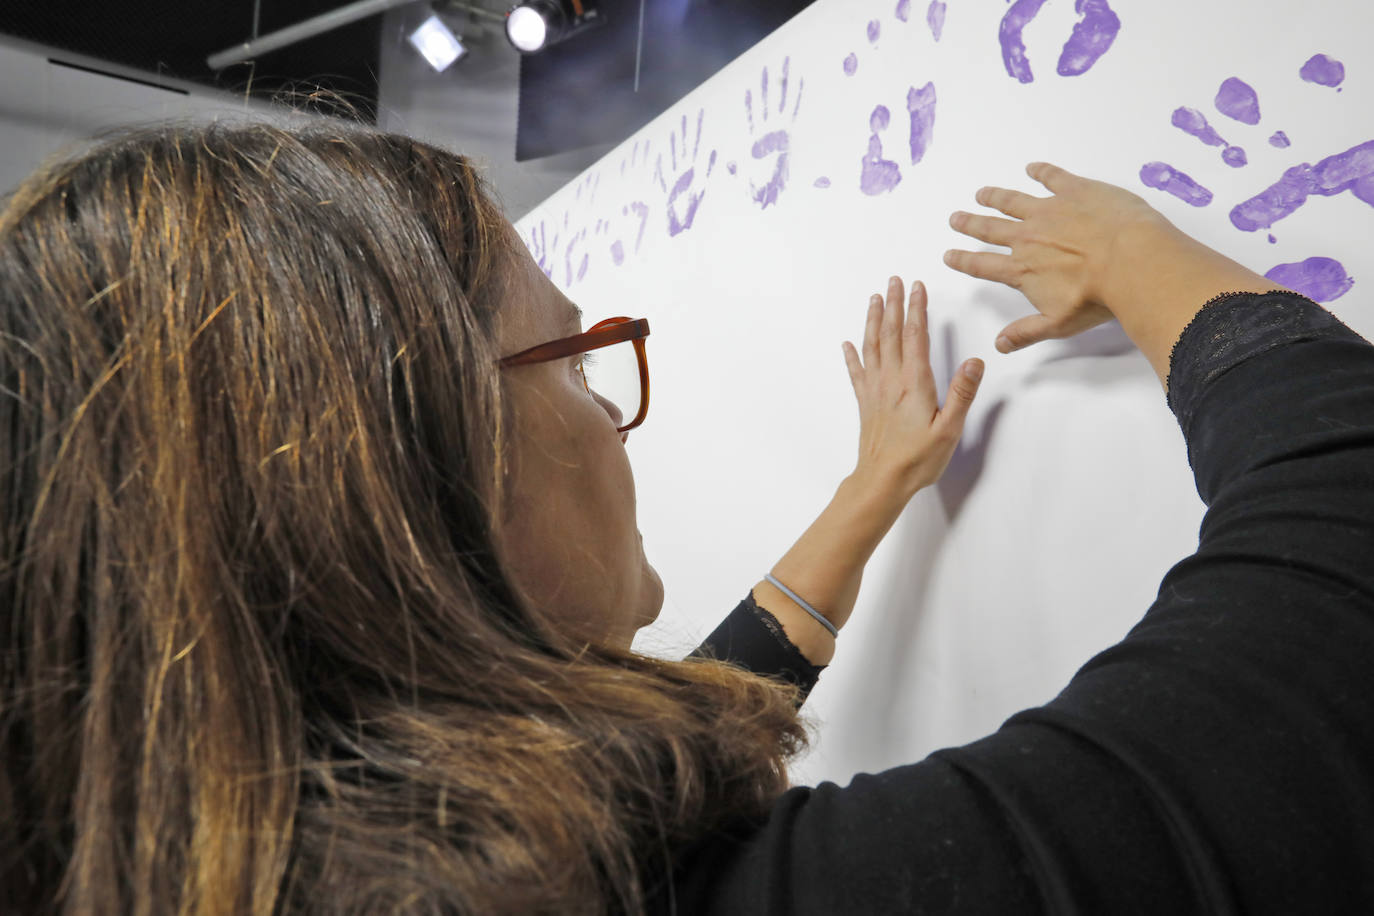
[[1070, 496]]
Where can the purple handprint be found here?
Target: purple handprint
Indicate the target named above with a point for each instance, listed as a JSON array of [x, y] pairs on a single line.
[[682, 186], [774, 144], [1323, 70], [639, 154], [570, 258], [1092, 36], [879, 175], [640, 210], [1320, 279], [920, 104], [541, 249], [935, 19], [1352, 170]]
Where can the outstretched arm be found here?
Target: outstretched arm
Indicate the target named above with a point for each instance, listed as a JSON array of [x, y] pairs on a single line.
[[905, 441], [1090, 253]]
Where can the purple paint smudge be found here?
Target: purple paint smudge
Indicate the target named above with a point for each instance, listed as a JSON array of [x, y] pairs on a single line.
[[1272, 240], [1091, 38], [684, 182], [1234, 156], [731, 167], [1280, 140], [1191, 121], [851, 64], [1352, 170], [617, 253], [773, 142], [879, 175], [568, 259], [1322, 279], [921, 105], [935, 18], [641, 210], [903, 10], [874, 30], [1236, 99], [1167, 178], [1323, 70], [822, 182], [1009, 36]]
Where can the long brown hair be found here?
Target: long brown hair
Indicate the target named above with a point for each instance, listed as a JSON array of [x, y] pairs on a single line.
[[259, 652]]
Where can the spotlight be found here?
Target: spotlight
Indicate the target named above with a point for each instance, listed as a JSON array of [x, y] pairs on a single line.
[[533, 25], [437, 43]]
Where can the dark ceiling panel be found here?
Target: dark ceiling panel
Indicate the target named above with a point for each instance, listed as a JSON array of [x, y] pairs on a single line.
[[582, 91], [173, 37]]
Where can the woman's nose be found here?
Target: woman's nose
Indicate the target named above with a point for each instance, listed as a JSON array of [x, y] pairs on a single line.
[[616, 416]]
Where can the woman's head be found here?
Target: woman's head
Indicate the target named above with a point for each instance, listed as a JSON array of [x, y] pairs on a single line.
[[570, 508], [301, 592]]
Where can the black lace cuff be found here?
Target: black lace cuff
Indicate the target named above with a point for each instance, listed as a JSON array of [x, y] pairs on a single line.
[[753, 639], [1232, 328]]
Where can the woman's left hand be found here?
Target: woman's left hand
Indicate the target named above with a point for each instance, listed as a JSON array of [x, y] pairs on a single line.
[[906, 438]]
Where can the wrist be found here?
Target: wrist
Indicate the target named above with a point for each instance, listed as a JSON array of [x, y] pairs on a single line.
[[1164, 282], [877, 491]]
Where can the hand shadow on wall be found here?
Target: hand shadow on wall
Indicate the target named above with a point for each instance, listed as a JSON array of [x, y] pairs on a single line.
[[1107, 340], [966, 466]]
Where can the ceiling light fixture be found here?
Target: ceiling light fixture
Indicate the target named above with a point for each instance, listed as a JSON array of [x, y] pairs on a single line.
[[437, 43], [533, 25]]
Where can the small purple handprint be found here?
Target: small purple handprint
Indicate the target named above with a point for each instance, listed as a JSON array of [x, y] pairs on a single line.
[[575, 259], [775, 144], [682, 186], [541, 249], [641, 211]]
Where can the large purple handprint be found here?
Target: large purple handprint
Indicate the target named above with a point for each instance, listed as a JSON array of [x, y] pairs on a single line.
[[1092, 36], [774, 146], [1321, 278], [682, 187]]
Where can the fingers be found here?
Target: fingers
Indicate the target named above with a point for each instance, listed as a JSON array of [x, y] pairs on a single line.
[[1026, 331], [986, 265], [871, 328], [990, 229], [890, 334], [916, 346], [916, 334], [1012, 203], [962, 390], [1051, 176], [851, 362]]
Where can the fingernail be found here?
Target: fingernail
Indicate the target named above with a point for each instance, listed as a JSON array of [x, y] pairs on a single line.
[[1004, 344], [973, 370]]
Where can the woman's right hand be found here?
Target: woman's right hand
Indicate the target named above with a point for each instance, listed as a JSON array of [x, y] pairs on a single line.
[[1067, 253]]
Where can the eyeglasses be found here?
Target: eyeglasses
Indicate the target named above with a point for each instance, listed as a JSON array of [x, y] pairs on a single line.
[[611, 362]]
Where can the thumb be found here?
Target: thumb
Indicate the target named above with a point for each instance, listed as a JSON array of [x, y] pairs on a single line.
[[1025, 331], [962, 389]]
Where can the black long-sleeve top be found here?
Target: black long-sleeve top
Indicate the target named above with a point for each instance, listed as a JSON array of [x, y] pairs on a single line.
[[1219, 759]]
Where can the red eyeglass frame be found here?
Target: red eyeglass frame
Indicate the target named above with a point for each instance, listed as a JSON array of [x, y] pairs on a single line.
[[602, 334]]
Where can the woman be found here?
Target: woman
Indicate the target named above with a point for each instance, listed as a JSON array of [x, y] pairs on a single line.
[[322, 578]]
